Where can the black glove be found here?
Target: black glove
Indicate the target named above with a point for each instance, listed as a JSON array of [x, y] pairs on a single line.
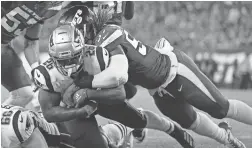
[[84, 81]]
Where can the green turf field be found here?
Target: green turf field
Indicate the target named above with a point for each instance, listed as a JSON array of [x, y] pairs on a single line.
[[160, 140]]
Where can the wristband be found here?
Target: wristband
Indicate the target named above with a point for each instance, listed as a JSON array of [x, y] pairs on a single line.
[[31, 39], [41, 22]]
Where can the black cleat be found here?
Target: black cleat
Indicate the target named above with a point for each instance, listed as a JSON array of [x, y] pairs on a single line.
[[183, 137]]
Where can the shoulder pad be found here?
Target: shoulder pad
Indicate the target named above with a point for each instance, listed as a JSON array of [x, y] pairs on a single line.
[[47, 77], [42, 78], [109, 37]]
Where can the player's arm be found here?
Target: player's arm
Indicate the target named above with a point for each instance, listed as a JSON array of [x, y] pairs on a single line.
[[31, 49], [128, 10], [52, 112], [115, 75], [50, 100], [107, 96]]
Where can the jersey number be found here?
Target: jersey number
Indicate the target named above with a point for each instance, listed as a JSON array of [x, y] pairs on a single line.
[[17, 19], [6, 106], [6, 117], [136, 44]]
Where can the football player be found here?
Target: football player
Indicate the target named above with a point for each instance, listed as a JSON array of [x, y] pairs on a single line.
[[118, 11], [173, 80], [16, 17], [24, 128], [68, 62]]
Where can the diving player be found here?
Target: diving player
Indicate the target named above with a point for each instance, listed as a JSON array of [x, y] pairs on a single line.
[[173, 80]]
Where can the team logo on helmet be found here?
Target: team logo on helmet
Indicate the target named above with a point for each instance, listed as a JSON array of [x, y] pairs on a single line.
[[77, 18]]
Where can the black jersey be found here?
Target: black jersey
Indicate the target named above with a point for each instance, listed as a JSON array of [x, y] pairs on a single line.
[[147, 67]]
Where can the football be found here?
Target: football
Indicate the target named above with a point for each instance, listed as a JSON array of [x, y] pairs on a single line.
[[80, 97]]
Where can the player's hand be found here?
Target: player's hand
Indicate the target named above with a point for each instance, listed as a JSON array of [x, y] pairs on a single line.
[[68, 95], [80, 97], [88, 110]]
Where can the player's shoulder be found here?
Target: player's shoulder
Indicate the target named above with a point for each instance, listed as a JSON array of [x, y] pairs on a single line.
[[112, 28], [110, 35], [45, 75]]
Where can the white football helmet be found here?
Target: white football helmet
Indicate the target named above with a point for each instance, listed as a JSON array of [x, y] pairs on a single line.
[[66, 48]]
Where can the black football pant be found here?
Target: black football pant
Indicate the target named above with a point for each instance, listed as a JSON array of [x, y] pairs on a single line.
[[84, 133], [191, 88], [124, 113]]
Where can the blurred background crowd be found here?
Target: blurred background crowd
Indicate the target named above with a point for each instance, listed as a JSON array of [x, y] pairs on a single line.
[[217, 35]]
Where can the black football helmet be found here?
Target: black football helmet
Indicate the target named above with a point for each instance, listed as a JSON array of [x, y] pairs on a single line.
[[79, 16]]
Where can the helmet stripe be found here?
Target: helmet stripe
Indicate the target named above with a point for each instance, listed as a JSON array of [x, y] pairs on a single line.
[[45, 73], [99, 54]]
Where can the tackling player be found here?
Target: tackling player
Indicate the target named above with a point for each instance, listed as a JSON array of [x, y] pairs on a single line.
[[118, 10], [187, 85], [24, 128], [119, 77], [16, 17], [68, 62]]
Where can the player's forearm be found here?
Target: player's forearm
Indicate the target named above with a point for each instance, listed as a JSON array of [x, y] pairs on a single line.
[[60, 114], [32, 44], [31, 52], [115, 75], [107, 96]]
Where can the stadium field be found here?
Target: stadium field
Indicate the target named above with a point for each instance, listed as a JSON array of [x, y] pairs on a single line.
[[157, 139]]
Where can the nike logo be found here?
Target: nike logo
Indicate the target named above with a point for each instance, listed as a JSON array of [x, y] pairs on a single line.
[[21, 120], [180, 88], [106, 53], [38, 75]]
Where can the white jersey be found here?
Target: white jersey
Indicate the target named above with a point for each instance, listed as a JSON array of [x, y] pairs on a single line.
[[48, 77], [18, 124]]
